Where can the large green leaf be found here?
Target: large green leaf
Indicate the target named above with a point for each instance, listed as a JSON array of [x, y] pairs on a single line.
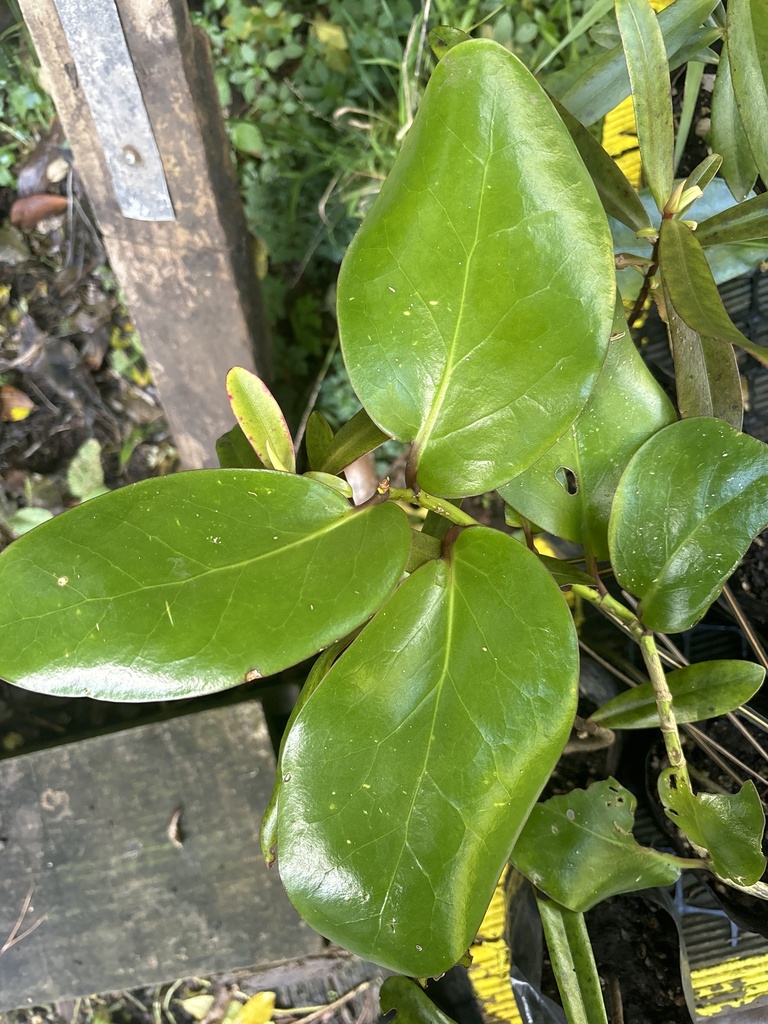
[[685, 512], [700, 691], [475, 302], [729, 826], [190, 583], [617, 195], [748, 48], [690, 285], [596, 84], [728, 137], [268, 836], [570, 489], [579, 848], [648, 74], [410, 770]]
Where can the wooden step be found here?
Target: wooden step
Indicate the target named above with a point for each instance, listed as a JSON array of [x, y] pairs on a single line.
[[121, 894]]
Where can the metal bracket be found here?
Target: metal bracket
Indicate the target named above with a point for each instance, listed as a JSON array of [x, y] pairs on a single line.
[[107, 77]]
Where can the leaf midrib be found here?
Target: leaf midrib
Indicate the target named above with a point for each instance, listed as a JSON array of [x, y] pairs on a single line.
[[438, 690], [175, 584], [442, 390]]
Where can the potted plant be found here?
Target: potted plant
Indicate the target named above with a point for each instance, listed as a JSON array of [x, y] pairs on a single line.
[[480, 326]]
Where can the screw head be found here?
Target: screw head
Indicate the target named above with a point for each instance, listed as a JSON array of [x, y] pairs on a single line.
[[131, 156]]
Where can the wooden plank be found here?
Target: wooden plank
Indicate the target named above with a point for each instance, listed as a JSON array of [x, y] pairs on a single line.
[[85, 828], [189, 283]]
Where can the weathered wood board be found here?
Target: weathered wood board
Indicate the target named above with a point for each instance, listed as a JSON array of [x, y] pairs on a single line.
[[85, 828], [189, 282]]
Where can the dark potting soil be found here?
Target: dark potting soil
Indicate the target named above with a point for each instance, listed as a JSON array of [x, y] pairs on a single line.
[[637, 951]]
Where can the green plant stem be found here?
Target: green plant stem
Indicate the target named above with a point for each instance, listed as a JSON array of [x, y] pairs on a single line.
[[433, 504], [612, 608], [667, 722], [650, 273], [573, 963], [647, 644]]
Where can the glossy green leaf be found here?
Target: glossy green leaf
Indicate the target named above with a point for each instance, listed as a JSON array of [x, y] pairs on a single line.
[[234, 451], [742, 223], [190, 583], [595, 85], [261, 418], [704, 690], [412, 1003], [692, 289], [409, 773], [625, 408], [707, 376], [685, 512], [356, 438], [727, 135], [648, 75], [268, 836], [748, 51], [579, 848], [318, 438], [729, 826], [475, 302], [617, 195]]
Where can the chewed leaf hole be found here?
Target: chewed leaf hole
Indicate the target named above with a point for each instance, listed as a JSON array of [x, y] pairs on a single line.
[[567, 480]]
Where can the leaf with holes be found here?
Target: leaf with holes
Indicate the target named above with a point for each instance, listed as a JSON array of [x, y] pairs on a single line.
[[729, 826], [685, 512], [189, 584], [408, 773], [704, 690], [569, 491], [579, 848], [475, 302]]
